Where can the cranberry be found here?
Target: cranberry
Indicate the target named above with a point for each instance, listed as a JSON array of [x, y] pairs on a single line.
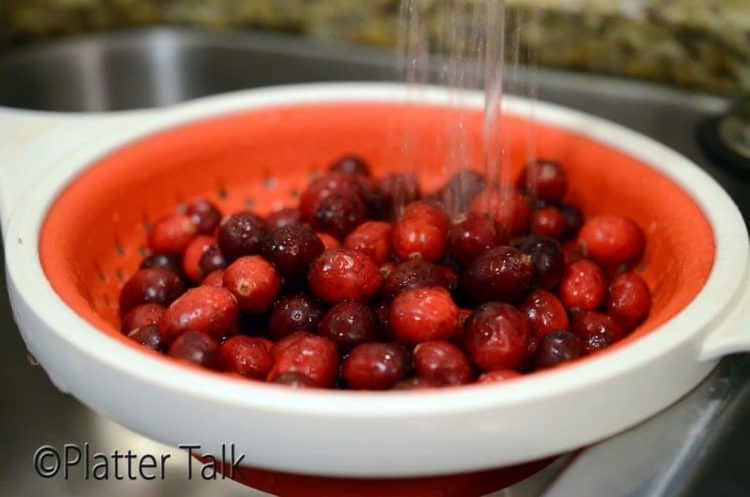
[[241, 234], [148, 336], [413, 274], [206, 309], [472, 236], [283, 217], [322, 187], [612, 240], [458, 192], [313, 356], [416, 384], [340, 275], [629, 300], [423, 314], [339, 214], [163, 261], [214, 278], [498, 376], [155, 286], [205, 215], [246, 356], [573, 220], [372, 195], [329, 242], [295, 380], [443, 362], [192, 257], [550, 222], [352, 165], [399, 190], [544, 179], [291, 249], [496, 336], [171, 234], [421, 231], [558, 347], [500, 273], [143, 315], [254, 283], [583, 285], [372, 238], [548, 258], [294, 313], [212, 259], [545, 313], [197, 348], [598, 331], [375, 366], [510, 208], [349, 324]]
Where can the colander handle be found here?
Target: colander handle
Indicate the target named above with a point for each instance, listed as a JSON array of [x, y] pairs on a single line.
[[732, 333]]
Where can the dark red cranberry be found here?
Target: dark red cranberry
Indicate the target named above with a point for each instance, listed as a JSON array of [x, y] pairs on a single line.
[[545, 313], [573, 220], [321, 188], [558, 347], [443, 362], [458, 192], [583, 286], [313, 356], [416, 384], [413, 274], [510, 208], [294, 313], [421, 231], [212, 260], [171, 234], [544, 179], [548, 258], [214, 278], [352, 165], [291, 249], [498, 376], [283, 217], [340, 275], [399, 190], [241, 234], [143, 315], [550, 222], [597, 331], [472, 236], [501, 273], [147, 336], [205, 215], [206, 309], [295, 380], [249, 357], [329, 242], [496, 336], [628, 300], [254, 283], [349, 324], [151, 285], [372, 238], [423, 314], [195, 347], [192, 257], [371, 194], [612, 240], [375, 366], [163, 261], [338, 214]]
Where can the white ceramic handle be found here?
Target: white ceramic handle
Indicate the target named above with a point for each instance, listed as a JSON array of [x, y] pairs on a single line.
[[732, 333]]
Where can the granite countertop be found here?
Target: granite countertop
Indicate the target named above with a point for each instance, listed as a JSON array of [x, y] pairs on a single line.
[[692, 43]]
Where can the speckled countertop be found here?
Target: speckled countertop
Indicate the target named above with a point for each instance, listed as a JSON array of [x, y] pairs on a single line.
[[694, 43]]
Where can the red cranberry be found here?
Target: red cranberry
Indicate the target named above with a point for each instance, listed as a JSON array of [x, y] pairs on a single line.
[[413, 274], [544, 179], [421, 231], [443, 362], [583, 286], [155, 286], [329, 242], [472, 236], [283, 217], [352, 165], [291, 249], [197, 348], [241, 234], [340, 275], [294, 313], [205, 215], [143, 315], [313, 356], [416, 384], [545, 313], [375, 366], [211, 260], [295, 380], [192, 257], [510, 208], [498, 376], [148, 336], [612, 240], [548, 258], [558, 347], [254, 283], [550, 222], [171, 234], [598, 331], [339, 214], [458, 192], [423, 314], [349, 324], [321, 188], [495, 336], [214, 278], [629, 300], [399, 190], [573, 220], [163, 261], [246, 356], [500, 273], [372, 238], [206, 309]]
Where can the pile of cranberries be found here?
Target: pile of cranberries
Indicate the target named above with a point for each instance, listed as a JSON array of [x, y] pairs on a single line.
[[369, 284]]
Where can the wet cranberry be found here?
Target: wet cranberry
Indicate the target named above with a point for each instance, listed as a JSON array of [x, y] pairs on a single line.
[[241, 234], [340, 275], [372, 195], [295, 380], [163, 261], [338, 214], [544, 179], [206, 309], [545, 313], [212, 259], [283, 217], [313, 356], [416, 384], [495, 336], [352, 165], [143, 315], [329, 242], [573, 220], [171, 234], [254, 283], [192, 257], [155, 286], [291, 249], [413, 274], [443, 362], [148, 336], [214, 278], [583, 286], [321, 188], [458, 192], [205, 215], [510, 208], [498, 376], [548, 259], [375, 366], [612, 240], [550, 222], [500, 273], [421, 231], [472, 236], [558, 347], [399, 190], [349, 324], [597, 331], [246, 356], [423, 314], [294, 313], [195, 347], [628, 300], [372, 238]]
